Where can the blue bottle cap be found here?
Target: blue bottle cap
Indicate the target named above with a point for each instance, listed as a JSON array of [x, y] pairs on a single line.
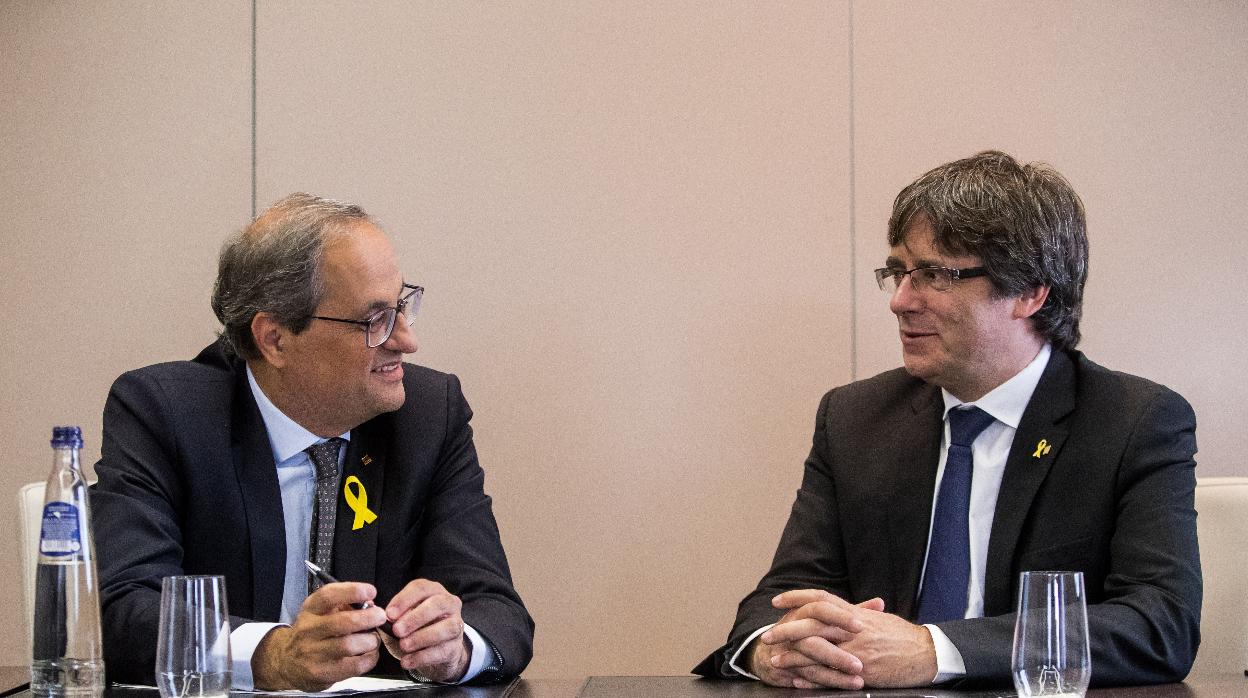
[[66, 437]]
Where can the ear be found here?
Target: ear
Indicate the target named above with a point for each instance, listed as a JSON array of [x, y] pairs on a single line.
[[1029, 302], [270, 339]]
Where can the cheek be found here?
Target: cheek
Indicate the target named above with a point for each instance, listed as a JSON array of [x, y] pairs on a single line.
[[346, 357], [984, 329], [339, 369]]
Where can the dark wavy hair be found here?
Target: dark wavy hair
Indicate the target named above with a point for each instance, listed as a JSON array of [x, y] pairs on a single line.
[[1024, 221]]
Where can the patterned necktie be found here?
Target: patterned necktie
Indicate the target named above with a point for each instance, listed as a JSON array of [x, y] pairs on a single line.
[[325, 508], [948, 570]]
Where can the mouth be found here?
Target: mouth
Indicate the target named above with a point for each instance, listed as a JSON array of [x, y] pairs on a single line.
[[391, 370], [913, 336]]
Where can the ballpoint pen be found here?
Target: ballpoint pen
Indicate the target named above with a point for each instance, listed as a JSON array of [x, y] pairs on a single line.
[[326, 578]]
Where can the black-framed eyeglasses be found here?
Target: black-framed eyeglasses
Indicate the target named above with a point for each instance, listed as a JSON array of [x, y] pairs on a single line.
[[379, 325], [934, 278]]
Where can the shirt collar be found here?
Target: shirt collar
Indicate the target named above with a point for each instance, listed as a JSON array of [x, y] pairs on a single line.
[[1007, 401], [286, 437]]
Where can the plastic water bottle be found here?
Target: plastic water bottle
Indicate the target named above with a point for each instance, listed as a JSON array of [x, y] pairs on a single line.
[[68, 656]]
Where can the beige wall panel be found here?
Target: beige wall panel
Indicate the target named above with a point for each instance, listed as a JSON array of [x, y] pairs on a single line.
[[632, 222], [1142, 106], [124, 157]]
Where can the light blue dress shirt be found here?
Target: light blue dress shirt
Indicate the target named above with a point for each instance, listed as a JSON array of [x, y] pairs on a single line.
[[296, 477]]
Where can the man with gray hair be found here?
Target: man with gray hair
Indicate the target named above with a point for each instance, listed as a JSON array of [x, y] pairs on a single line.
[[997, 449], [300, 435]]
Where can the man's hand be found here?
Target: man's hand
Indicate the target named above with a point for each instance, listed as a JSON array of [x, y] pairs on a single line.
[[328, 642], [894, 652], [801, 649], [426, 621]]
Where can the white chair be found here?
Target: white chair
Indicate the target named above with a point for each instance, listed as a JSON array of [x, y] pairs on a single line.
[[1222, 525], [30, 511]]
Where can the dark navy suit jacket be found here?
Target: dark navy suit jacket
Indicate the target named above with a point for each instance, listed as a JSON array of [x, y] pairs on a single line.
[[187, 485], [1112, 496]]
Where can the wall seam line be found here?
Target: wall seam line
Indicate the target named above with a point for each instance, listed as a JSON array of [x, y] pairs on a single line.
[[253, 108], [853, 231]]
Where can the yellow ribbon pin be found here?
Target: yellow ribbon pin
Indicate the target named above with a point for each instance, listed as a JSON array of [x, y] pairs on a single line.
[[358, 501], [1042, 449]]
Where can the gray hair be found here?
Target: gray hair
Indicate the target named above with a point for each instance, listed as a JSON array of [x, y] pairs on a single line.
[[1024, 221], [274, 266]]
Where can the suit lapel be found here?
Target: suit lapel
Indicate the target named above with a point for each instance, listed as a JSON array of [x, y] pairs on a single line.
[[363, 478], [916, 450], [1037, 445], [262, 500]]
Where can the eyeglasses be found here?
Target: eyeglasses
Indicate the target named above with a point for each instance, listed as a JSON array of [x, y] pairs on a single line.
[[923, 278], [379, 325]]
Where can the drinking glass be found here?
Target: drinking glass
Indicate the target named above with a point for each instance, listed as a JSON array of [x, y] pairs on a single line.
[[1051, 655], [193, 649]]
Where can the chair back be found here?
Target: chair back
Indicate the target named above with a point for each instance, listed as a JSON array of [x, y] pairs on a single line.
[[1222, 526], [30, 513]]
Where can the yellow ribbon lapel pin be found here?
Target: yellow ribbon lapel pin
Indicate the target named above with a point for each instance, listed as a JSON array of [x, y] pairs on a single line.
[[1042, 449], [358, 501]]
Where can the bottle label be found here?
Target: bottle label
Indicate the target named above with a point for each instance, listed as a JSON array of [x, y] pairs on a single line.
[[60, 535]]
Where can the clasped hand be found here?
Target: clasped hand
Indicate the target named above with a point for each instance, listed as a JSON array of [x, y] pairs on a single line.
[[823, 641], [330, 641]]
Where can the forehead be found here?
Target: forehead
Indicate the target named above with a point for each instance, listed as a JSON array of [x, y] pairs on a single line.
[[360, 268]]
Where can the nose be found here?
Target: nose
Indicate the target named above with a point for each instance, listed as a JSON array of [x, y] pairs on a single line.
[[402, 338], [906, 298]]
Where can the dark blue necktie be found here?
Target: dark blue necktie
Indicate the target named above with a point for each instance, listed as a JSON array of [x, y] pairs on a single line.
[[949, 555]]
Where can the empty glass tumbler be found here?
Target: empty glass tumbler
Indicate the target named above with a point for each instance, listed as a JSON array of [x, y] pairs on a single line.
[[1051, 655], [193, 650]]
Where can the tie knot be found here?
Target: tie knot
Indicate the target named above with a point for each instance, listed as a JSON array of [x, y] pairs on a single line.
[[966, 424], [325, 457]]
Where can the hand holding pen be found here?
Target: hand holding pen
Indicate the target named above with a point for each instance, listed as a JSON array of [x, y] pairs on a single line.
[[323, 643], [420, 592], [326, 578]]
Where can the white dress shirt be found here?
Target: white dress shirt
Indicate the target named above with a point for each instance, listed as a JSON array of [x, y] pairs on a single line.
[[1006, 403], [296, 477]]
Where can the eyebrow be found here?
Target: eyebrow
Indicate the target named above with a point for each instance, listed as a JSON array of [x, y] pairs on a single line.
[[895, 263], [376, 306], [379, 305]]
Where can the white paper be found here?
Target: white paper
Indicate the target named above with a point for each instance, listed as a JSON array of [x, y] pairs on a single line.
[[357, 684]]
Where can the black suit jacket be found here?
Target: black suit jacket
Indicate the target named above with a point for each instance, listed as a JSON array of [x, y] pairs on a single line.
[[1112, 496], [187, 485]]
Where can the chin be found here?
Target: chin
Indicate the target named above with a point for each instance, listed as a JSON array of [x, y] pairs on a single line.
[[392, 400], [919, 369]]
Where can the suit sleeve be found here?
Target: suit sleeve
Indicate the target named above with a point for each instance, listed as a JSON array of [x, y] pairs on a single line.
[[810, 554], [1145, 629], [137, 530], [462, 550]]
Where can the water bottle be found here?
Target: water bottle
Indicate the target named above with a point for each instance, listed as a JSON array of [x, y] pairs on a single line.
[[68, 656]]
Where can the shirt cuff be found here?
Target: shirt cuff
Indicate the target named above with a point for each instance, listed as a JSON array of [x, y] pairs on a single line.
[[949, 662], [481, 654], [243, 642], [732, 663]]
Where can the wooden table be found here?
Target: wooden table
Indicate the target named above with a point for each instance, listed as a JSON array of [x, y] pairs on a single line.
[[12, 680], [1227, 686]]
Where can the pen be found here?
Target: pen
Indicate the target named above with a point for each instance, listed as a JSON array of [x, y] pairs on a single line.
[[326, 578]]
